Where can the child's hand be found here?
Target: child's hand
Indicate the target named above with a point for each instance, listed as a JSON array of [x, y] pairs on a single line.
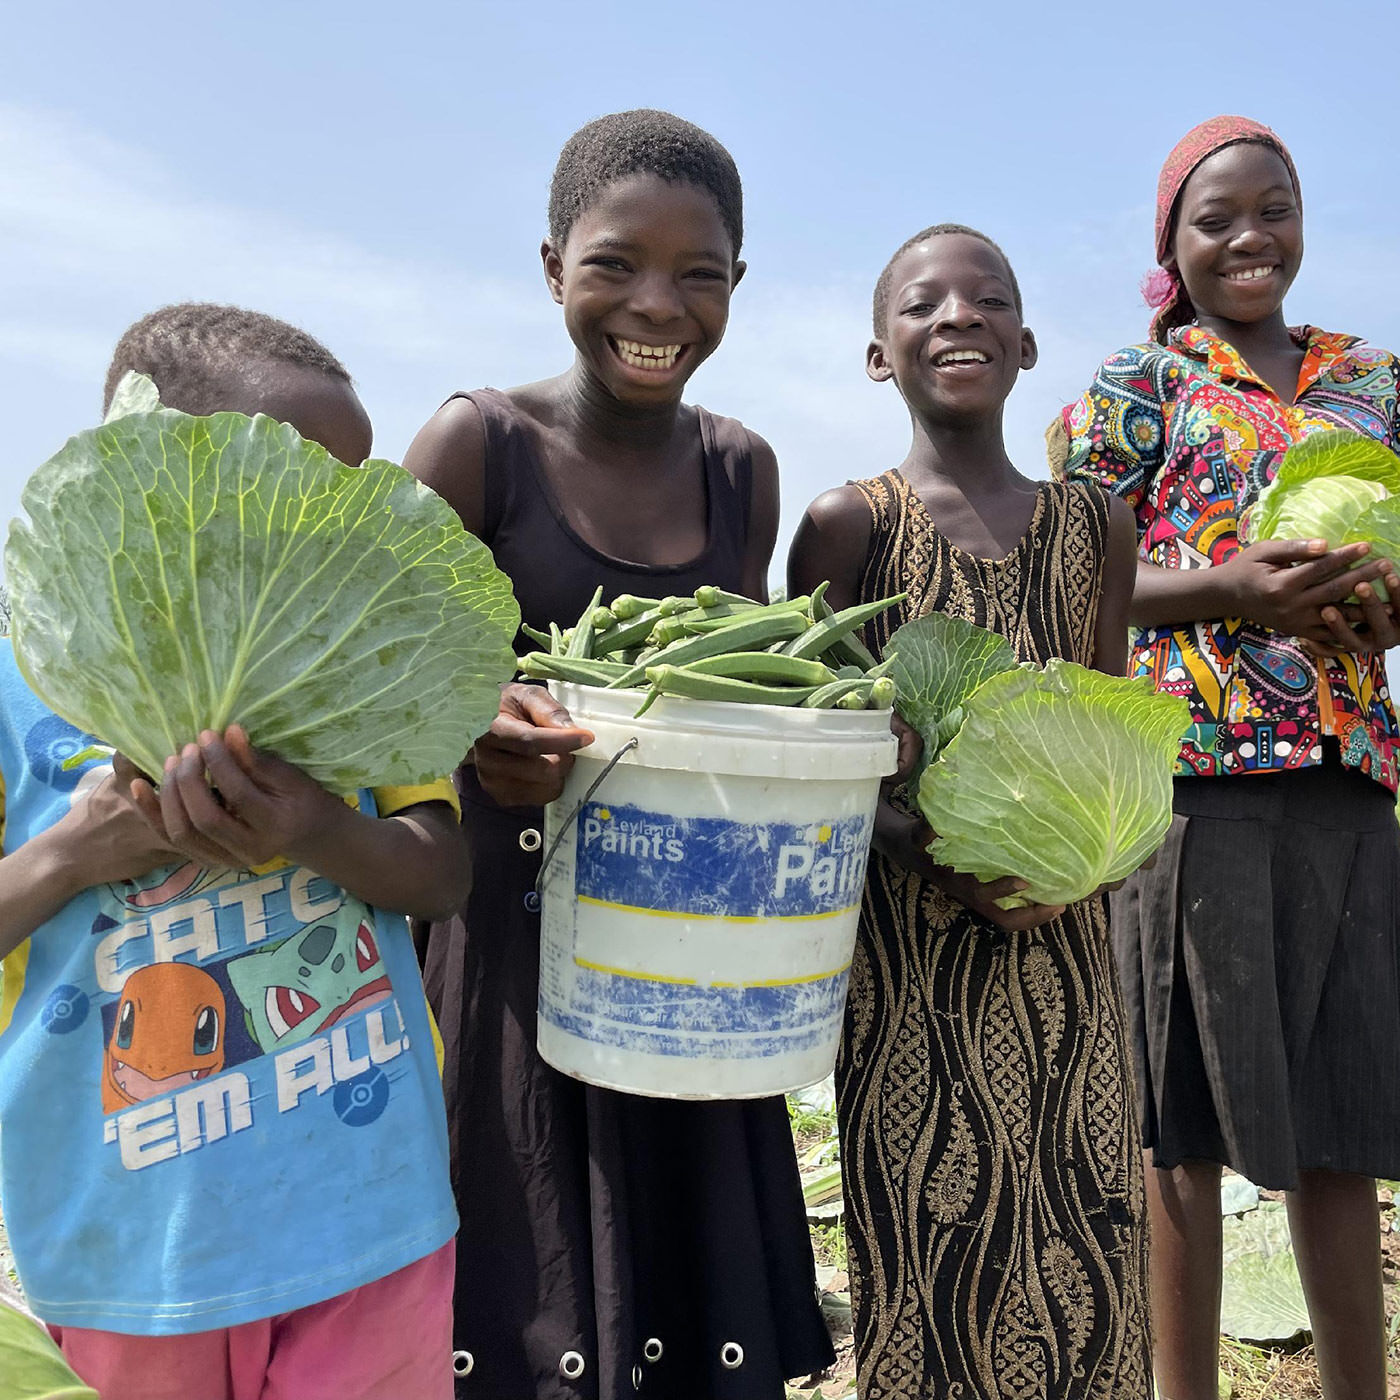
[[1291, 586], [905, 840], [981, 897], [526, 755], [264, 807], [911, 748], [108, 833]]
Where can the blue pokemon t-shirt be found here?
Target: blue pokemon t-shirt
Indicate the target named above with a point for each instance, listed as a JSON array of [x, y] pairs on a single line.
[[219, 1098]]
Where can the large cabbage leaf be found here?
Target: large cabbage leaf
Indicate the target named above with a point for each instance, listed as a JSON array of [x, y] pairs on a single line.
[[179, 573], [938, 662], [1061, 776], [1323, 483]]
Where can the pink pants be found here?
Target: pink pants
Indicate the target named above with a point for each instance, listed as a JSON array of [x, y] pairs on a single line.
[[388, 1340]]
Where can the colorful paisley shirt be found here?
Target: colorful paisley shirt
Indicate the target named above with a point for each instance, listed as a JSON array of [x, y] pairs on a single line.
[[1188, 435]]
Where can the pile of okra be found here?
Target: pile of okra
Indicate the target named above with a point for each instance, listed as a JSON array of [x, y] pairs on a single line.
[[715, 645]]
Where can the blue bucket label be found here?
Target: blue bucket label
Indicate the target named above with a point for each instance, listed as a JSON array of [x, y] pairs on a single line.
[[717, 868]]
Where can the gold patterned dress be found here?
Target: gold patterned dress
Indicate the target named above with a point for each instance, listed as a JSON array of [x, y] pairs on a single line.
[[995, 1213]]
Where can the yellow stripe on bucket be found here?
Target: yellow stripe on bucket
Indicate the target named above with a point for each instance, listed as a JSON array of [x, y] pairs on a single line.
[[693, 982], [721, 918]]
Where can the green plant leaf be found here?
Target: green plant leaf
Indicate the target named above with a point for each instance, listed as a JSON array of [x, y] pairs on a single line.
[[135, 393], [178, 574], [1261, 1295], [1061, 777], [938, 663], [1322, 484]]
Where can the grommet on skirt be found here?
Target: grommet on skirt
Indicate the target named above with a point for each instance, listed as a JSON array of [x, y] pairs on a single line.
[[530, 839], [462, 1363], [531, 902], [571, 1365], [731, 1356], [636, 1378], [652, 1349]]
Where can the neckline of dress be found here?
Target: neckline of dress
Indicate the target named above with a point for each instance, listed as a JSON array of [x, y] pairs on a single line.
[[1041, 493]]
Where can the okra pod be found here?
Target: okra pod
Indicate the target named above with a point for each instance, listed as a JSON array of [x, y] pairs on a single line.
[[768, 667], [708, 596], [833, 692], [535, 635], [683, 681], [581, 643], [576, 669], [628, 605], [799, 607], [752, 632], [881, 693], [824, 635]]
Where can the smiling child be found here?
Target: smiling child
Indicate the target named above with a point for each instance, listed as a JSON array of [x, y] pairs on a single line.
[[994, 1193], [1261, 957], [611, 1245]]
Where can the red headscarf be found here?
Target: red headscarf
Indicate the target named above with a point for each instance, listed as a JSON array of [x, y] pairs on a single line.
[[1163, 287]]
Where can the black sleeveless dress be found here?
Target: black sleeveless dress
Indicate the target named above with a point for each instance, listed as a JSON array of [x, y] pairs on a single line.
[[610, 1245]]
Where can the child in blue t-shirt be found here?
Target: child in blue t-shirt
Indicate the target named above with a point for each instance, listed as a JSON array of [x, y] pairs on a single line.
[[225, 1165]]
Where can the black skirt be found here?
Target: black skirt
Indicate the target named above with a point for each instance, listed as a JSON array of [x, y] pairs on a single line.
[[1260, 965]]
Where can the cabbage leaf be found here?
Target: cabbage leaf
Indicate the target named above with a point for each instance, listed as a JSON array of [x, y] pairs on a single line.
[[938, 662], [178, 574], [1061, 777], [1323, 483]]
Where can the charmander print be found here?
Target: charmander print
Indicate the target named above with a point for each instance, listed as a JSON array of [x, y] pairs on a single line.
[[169, 1033]]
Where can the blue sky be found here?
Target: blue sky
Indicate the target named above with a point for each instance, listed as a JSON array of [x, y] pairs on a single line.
[[378, 175]]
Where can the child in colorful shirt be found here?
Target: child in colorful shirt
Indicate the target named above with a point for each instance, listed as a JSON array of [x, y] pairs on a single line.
[[225, 1167], [1260, 957]]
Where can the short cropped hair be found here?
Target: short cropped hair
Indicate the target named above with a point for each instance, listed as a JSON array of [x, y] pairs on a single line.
[[880, 306], [193, 349], [642, 142]]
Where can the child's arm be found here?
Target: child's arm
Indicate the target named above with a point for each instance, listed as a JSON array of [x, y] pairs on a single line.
[[525, 757], [103, 839], [414, 862]]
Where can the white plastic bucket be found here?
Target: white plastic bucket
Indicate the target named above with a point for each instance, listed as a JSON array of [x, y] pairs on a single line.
[[698, 922]]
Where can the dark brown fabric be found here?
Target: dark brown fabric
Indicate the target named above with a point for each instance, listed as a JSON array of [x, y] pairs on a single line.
[[995, 1210], [592, 1221], [1261, 970]]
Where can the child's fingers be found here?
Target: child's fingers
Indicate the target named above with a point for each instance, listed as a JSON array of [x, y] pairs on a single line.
[[203, 817], [516, 736], [233, 779], [180, 830]]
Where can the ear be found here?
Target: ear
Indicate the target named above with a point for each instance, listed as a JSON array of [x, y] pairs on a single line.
[[1030, 351], [876, 366], [553, 270], [740, 268]]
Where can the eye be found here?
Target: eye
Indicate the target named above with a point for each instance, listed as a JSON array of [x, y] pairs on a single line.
[[126, 1025], [708, 274], [918, 308], [1278, 211], [206, 1031], [1211, 225], [994, 301], [366, 950], [607, 263]]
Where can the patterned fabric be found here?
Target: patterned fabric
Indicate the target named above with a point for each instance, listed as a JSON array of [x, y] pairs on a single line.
[[995, 1210], [1166, 292], [1188, 435]]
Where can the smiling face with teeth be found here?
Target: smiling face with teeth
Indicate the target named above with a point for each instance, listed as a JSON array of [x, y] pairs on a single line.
[[953, 341], [1238, 236], [644, 279]]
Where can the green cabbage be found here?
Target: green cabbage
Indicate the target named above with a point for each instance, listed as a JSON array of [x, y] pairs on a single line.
[[1060, 776], [937, 663], [178, 574], [1334, 486]]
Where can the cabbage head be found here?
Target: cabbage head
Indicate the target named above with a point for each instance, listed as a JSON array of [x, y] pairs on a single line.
[[1334, 486], [178, 574], [1061, 777], [937, 662]]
